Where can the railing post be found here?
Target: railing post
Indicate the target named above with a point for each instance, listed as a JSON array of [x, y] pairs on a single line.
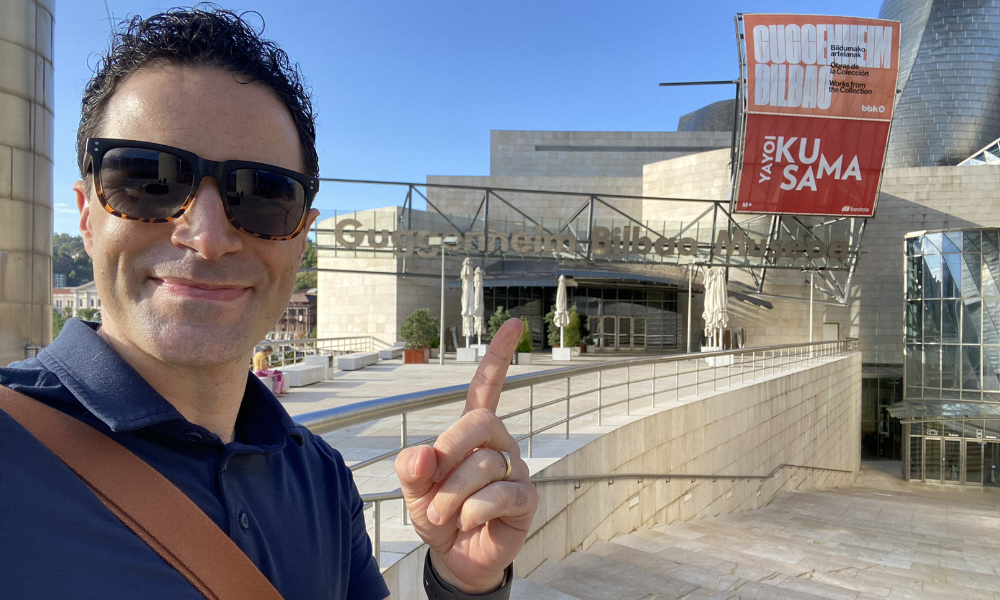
[[628, 391], [697, 376], [600, 401], [652, 388], [677, 380], [377, 542], [403, 443], [531, 421], [567, 408]]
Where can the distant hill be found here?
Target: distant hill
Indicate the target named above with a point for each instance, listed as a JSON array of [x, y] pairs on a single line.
[[70, 259]]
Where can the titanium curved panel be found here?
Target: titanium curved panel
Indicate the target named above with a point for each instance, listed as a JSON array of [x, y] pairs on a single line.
[[950, 105], [717, 116], [26, 150]]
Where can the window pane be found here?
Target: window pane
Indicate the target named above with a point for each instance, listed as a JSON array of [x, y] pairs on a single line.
[[932, 367], [914, 277], [951, 276], [913, 370], [932, 321], [914, 328], [952, 460], [952, 241], [950, 321], [989, 241], [951, 367], [972, 276], [974, 429], [932, 276], [971, 364], [916, 445], [932, 462], [970, 241], [932, 243], [913, 246], [991, 368], [971, 321]]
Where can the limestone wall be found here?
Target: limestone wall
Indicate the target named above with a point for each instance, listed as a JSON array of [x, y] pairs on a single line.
[[809, 417]]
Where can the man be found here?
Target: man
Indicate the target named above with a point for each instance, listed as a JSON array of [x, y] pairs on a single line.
[[195, 259]]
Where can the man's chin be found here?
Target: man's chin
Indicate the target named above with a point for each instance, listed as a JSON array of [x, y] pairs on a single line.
[[201, 344]]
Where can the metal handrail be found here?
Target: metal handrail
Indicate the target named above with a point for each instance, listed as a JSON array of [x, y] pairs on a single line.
[[771, 360], [290, 351], [341, 417]]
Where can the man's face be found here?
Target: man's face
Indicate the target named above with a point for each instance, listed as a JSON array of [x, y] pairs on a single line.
[[196, 291]]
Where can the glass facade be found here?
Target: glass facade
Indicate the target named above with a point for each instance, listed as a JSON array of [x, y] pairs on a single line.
[[617, 318], [952, 358], [881, 434]]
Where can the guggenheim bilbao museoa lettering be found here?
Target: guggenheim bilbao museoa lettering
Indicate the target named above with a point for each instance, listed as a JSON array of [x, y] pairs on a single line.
[[618, 243]]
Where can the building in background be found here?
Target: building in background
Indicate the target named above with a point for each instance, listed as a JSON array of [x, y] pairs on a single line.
[[299, 319], [947, 112], [69, 301], [26, 154]]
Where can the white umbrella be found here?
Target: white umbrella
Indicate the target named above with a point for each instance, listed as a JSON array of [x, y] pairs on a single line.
[[716, 299], [468, 301], [561, 318], [477, 307]]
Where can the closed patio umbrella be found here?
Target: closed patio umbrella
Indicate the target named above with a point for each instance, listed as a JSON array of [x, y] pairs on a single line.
[[477, 307], [468, 301], [561, 318]]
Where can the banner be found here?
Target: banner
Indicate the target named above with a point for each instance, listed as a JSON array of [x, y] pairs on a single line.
[[809, 166], [818, 89]]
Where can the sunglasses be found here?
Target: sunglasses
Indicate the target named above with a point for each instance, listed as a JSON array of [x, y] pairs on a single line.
[[154, 183]]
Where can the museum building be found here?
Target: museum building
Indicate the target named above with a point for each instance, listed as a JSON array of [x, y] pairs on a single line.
[[629, 218]]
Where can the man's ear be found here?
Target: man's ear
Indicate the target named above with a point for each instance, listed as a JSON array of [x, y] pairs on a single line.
[[313, 215], [83, 205]]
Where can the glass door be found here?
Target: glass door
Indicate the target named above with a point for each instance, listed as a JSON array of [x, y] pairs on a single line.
[[973, 463], [953, 461], [608, 333], [624, 333], [991, 463], [932, 460], [639, 333]]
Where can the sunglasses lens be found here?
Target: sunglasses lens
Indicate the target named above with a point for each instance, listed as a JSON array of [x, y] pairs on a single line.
[[145, 184], [265, 202]]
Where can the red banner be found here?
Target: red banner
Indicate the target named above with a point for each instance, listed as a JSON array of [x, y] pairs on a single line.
[[811, 166], [819, 99], [821, 66]]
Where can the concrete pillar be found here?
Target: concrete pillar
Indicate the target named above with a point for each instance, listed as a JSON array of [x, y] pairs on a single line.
[[26, 151]]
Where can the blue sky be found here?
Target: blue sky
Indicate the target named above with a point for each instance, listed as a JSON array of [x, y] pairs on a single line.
[[410, 89]]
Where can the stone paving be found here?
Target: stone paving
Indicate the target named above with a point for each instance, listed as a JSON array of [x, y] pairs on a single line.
[[881, 539]]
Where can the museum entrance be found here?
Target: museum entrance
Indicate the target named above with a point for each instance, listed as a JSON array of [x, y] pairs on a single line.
[[622, 333]]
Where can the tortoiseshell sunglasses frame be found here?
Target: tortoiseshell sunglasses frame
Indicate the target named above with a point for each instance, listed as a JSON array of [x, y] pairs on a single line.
[[97, 147]]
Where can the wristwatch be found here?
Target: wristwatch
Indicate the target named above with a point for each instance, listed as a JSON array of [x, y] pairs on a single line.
[[439, 590]]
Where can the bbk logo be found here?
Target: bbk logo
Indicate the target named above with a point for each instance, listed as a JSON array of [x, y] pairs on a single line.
[[867, 108]]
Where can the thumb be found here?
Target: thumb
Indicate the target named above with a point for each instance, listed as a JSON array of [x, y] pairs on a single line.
[[415, 468]]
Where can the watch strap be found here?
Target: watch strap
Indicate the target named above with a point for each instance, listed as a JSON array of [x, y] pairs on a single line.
[[437, 589]]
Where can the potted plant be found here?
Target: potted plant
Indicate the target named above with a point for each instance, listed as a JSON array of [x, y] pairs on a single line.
[[418, 330], [435, 345], [524, 348], [589, 344]]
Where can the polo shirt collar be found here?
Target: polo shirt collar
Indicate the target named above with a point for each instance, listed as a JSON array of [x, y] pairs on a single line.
[[116, 394]]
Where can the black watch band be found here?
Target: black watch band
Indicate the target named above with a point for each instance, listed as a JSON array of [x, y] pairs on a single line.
[[439, 590]]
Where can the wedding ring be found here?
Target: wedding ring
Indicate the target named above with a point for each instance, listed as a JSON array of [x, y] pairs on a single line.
[[510, 466]]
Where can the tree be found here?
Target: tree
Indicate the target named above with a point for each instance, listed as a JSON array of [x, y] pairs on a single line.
[[419, 329], [58, 320], [306, 280], [497, 319], [571, 335], [525, 344], [70, 258], [89, 314]]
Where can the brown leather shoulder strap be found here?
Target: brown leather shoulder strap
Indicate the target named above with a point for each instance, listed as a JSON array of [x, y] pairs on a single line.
[[146, 502]]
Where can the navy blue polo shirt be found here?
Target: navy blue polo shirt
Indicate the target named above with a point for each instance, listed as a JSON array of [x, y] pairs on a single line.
[[283, 495]]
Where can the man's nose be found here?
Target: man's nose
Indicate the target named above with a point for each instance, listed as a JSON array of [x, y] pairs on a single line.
[[204, 226]]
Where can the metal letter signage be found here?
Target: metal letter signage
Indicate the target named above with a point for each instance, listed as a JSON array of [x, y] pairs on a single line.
[[819, 98]]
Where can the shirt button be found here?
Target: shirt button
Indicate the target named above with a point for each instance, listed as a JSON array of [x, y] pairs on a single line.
[[194, 436], [244, 521]]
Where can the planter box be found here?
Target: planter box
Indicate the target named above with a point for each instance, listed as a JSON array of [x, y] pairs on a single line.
[[467, 355], [523, 358], [563, 354], [434, 353], [481, 349], [414, 357], [427, 355]]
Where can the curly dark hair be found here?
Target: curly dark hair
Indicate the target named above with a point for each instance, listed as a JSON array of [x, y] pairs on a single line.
[[204, 35]]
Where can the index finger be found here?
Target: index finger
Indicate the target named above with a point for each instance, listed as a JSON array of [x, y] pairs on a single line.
[[484, 391]]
